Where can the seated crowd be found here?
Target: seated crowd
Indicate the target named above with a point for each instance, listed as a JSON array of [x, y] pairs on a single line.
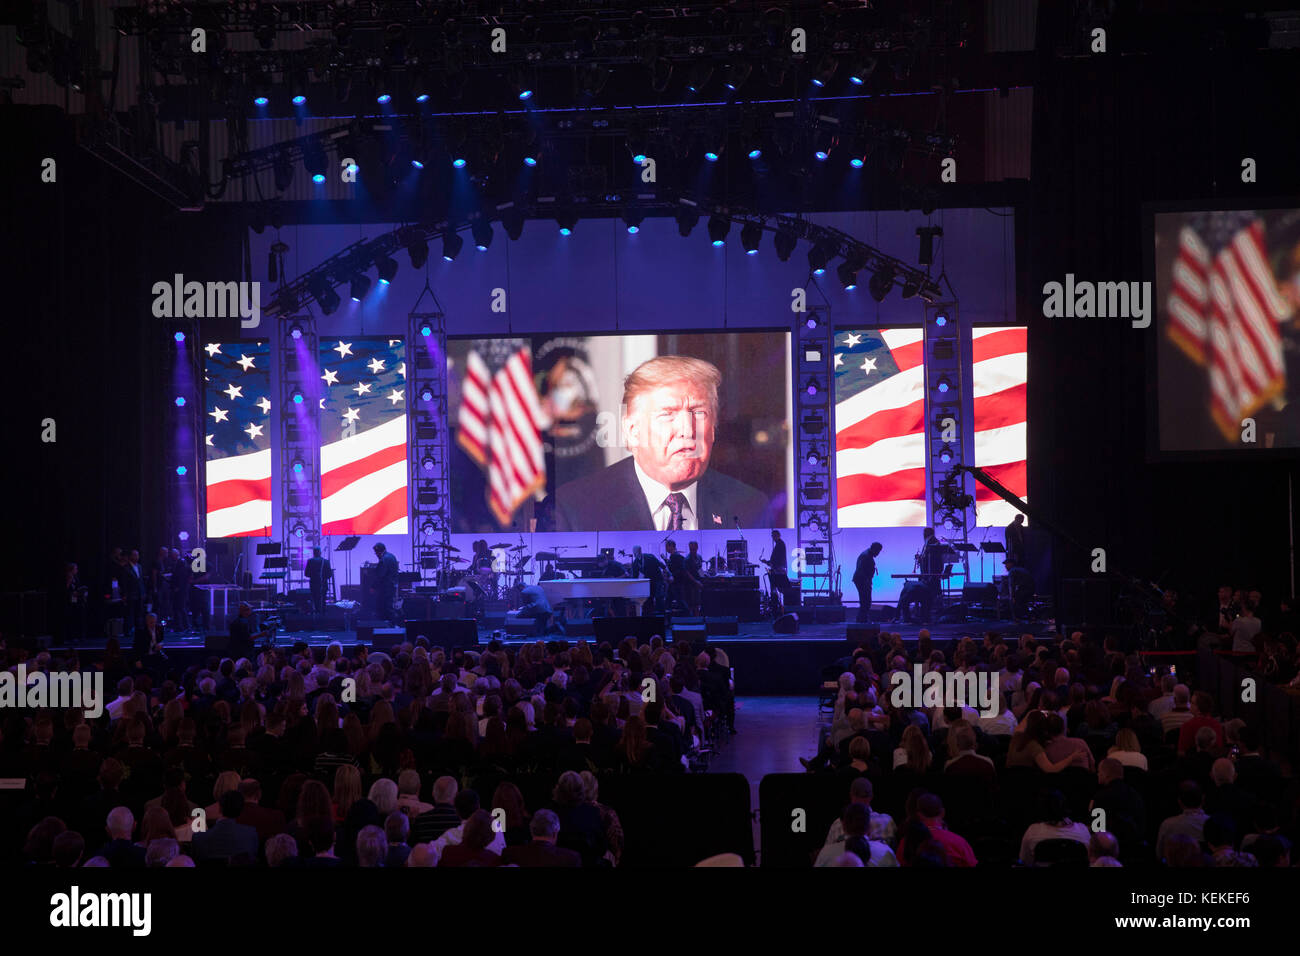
[[311, 757], [1080, 733]]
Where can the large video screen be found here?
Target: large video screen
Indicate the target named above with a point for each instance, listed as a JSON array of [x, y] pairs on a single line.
[[237, 439], [363, 451], [1000, 380], [636, 432], [1227, 290], [880, 428]]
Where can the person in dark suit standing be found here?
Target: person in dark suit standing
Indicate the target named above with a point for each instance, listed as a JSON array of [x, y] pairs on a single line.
[[649, 566], [132, 584], [318, 573], [242, 638], [1015, 541], [677, 592], [777, 567], [670, 413], [863, 576], [385, 582]]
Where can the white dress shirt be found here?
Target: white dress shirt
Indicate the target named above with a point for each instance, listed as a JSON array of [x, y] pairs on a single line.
[[656, 497]]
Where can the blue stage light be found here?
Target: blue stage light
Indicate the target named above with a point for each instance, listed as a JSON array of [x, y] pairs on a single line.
[[711, 156], [755, 153], [179, 336], [180, 401], [856, 162], [417, 164], [530, 160], [422, 98], [299, 100], [458, 162], [383, 99], [318, 178], [260, 101], [181, 470]]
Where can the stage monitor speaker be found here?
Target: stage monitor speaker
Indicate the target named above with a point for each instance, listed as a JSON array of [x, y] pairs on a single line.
[[721, 625], [786, 624], [447, 633], [614, 629], [979, 594]]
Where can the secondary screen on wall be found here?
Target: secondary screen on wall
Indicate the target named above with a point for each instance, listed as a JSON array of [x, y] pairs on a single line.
[[237, 438], [620, 432], [999, 382], [879, 428], [1227, 291], [363, 451]]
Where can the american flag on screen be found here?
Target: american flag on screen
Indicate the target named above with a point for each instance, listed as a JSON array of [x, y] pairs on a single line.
[[501, 423], [880, 428], [363, 458], [1225, 313], [237, 406], [999, 378]]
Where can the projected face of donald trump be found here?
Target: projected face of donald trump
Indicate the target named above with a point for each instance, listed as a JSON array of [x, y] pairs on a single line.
[[670, 417]]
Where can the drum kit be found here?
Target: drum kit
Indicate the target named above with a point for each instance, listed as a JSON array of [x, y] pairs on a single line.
[[477, 581]]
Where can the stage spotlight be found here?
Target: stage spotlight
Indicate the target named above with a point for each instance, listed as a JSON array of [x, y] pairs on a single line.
[[713, 152], [295, 331], [427, 463], [428, 528], [283, 170], [880, 284], [298, 466], [750, 236], [530, 157], [785, 243], [360, 286], [260, 100], [482, 233], [297, 397], [426, 394], [313, 160], [633, 219], [451, 245], [861, 71], [944, 385], [811, 386], [819, 255], [826, 68], [823, 143], [418, 250], [687, 219], [719, 226], [386, 266], [179, 337], [512, 221], [911, 287], [299, 530], [737, 74], [299, 99], [811, 322], [566, 222], [848, 277], [458, 160], [325, 295], [814, 422], [941, 319], [945, 455], [426, 330], [183, 536], [701, 72], [180, 401], [181, 470], [814, 458]]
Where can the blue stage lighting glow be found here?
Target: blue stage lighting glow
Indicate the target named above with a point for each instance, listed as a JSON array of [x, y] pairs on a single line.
[[719, 242], [711, 156], [260, 100], [383, 99], [856, 163], [755, 153], [318, 178], [566, 231], [180, 401], [417, 164], [179, 336], [422, 98], [530, 160], [458, 162], [821, 155], [181, 470], [299, 100]]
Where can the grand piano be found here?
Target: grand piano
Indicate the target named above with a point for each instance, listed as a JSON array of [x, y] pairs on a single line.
[[580, 589]]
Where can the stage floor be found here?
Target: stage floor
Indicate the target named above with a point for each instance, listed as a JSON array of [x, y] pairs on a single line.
[[763, 662]]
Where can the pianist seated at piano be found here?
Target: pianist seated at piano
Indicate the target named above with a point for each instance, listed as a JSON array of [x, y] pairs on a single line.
[[537, 607]]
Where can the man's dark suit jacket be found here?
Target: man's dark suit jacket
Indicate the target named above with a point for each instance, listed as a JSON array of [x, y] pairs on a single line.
[[612, 500], [539, 853], [226, 839]]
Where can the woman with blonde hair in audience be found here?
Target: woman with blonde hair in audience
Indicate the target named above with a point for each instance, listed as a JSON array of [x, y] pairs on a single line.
[[1128, 750], [226, 780], [913, 753], [608, 817], [347, 790]]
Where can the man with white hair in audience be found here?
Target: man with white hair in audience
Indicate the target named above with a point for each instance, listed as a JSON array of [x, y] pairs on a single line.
[[119, 850]]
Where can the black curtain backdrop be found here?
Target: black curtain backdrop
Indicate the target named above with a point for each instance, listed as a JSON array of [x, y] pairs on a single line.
[[1110, 133], [82, 347]]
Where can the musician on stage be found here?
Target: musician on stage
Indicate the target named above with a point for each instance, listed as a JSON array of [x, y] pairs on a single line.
[[1020, 588], [776, 567], [683, 584], [482, 559], [318, 573], [863, 576], [536, 606], [385, 582], [1015, 541], [924, 591], [649, 566], [695, 571]]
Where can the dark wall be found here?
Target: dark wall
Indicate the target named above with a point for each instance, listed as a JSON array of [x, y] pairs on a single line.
[[1110, 133], [79, 258]]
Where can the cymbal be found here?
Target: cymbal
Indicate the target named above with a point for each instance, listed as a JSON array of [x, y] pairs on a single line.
[[503, 544], [519, 547], [444, 547]]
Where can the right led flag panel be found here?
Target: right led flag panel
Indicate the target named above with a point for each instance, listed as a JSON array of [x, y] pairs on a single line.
[[999, 378]]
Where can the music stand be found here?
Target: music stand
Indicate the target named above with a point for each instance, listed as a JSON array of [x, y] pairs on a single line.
[[346, 546], [989, 547]]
